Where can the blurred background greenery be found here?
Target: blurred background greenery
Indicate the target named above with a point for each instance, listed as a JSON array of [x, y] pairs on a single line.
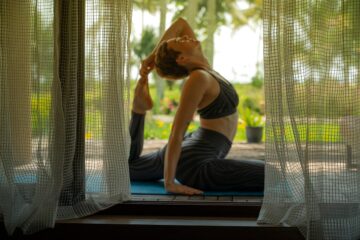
[[207, 18], [158, 122]]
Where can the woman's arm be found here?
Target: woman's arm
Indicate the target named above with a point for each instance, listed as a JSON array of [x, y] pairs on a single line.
[[192, 93], [179, 28]]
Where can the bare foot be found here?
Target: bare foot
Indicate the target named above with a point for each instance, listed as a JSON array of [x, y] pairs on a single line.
[[142, 100]]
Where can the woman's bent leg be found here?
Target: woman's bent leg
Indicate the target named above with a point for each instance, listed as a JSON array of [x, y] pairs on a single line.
[[202, 165], [137, 135], [210, 174], [146, 167], [226, 175], [234, 175]]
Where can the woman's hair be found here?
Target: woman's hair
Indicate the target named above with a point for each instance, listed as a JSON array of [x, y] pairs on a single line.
[[166, 65]]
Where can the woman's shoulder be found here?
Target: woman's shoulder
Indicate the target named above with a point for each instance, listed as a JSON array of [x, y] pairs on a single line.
[[199, 75], [198, 79]]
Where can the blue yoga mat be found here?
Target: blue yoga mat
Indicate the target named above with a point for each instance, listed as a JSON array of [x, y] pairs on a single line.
[[138, 187], [157, 188]]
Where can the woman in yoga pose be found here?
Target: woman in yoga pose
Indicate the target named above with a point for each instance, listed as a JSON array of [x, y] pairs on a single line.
[[195, 159]]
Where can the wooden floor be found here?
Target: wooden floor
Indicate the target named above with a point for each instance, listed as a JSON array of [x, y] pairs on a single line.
[[198, 199]]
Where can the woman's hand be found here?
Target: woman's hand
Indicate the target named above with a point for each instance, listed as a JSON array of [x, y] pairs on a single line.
[[182, 189], [147, 65]]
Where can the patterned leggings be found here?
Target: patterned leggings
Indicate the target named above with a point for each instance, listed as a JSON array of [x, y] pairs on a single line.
[[202, 162]]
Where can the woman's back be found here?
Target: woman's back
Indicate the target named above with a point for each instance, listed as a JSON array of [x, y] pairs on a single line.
[[217, 109]]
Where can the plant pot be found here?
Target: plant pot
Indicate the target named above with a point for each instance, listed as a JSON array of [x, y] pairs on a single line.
[[254, 134]]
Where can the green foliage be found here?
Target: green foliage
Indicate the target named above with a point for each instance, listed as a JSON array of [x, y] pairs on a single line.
[[228, 13], [251, 104], [155, 128], [315, 132], [168, 106], [250, 96], [252, 118], [40, 109], [160, 129], [149, 5], [257, 81], [144, 46]]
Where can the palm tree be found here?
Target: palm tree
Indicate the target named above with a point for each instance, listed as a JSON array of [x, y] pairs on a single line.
[[211, 14], [208, 15]]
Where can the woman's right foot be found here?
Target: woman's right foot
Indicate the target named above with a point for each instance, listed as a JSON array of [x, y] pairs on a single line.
[[142, 100]]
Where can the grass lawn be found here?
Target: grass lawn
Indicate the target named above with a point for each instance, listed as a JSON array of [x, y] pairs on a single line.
[[159, 129], [156, 128]]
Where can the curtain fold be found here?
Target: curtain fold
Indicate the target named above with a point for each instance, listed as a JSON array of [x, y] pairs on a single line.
[[312, 83], [64, 110], [71, 30]]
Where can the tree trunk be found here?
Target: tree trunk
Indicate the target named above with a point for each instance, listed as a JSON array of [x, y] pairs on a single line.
[[191, 12], [163, 12], [160, 83], [211, 20]]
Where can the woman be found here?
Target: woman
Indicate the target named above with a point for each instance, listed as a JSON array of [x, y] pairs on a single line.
[[196, 160]]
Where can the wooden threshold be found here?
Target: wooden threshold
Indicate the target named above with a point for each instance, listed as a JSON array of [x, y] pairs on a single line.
[[187, 206], [161, 227], [197, 198], [158, 218]]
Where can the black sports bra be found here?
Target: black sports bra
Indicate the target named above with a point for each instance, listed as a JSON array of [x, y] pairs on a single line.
[[225, 103]]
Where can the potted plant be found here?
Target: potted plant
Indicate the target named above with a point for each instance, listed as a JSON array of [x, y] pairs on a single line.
[[254, 125]]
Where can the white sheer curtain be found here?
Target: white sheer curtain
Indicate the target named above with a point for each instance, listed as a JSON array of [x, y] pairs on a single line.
[[312, 82], [63, 109]]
